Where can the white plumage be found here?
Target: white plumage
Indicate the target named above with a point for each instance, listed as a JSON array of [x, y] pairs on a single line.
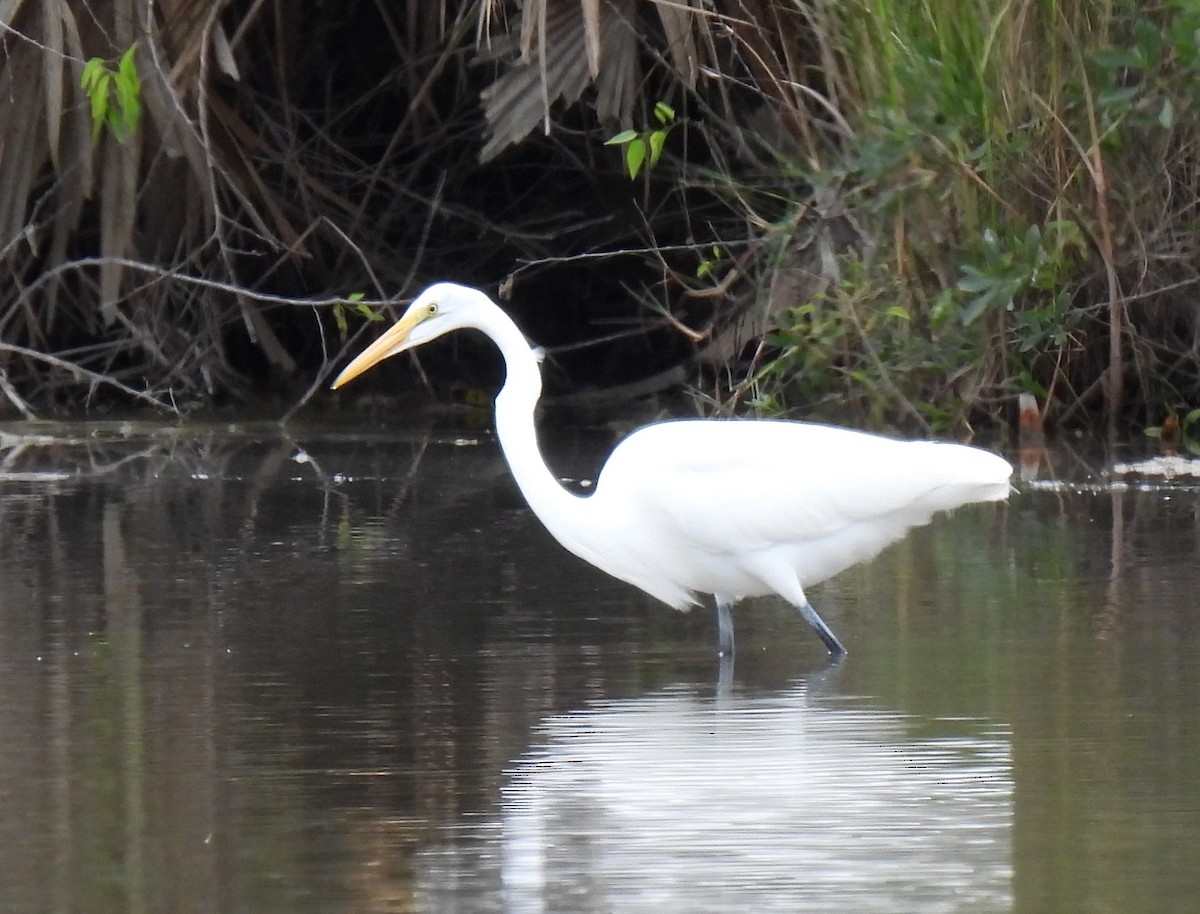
[[734, 508]]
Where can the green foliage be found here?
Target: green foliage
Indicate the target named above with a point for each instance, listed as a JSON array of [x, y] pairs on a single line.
[[647, 143], [1003, 175], [858, 350], [352, 305], [1001, 274], [1152, 74], [710, 263], [115, 95], [889, 345]]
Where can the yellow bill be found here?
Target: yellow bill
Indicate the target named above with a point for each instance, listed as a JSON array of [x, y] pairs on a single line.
[[390, 343]]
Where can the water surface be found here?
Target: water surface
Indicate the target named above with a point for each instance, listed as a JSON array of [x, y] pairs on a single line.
[[333, 672]]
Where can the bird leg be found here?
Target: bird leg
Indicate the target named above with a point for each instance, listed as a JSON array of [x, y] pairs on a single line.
[[819, 626], [725, 630]]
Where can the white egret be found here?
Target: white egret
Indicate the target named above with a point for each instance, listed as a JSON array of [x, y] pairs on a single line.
[[734, 508]]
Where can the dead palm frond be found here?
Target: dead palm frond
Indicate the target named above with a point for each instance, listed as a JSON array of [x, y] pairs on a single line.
[[562, 47]]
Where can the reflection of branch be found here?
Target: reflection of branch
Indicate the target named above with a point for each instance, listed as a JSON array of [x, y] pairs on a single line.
[[17, 446], [409, 478], [1109, 618], [304, 458]]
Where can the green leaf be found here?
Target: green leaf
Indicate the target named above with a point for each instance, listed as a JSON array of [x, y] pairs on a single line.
[[368, 313], [625, 136], [974, 281], [943, 307], [1117, 99], [657, 138], [121, 125], [91, 72], [99, 100], [1026, 381], [127, 69], [129, 90], [128, 85], [706, 266], [115, 95], [355, 297], [664, 113], [976, 307], [1117, 59], [635, 155], [128, 100], [1148, 37]]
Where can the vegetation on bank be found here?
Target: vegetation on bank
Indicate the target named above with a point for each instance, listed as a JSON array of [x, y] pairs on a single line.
[[879, 212]]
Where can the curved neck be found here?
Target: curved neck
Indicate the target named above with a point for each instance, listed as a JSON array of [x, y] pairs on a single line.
[[515, 407]]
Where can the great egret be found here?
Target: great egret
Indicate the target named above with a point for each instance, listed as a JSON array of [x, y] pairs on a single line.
[[734, 508]]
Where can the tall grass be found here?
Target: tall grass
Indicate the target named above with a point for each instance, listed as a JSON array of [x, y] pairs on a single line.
[[1015, 172]]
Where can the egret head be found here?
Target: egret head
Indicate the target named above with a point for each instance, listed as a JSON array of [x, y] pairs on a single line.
[[443, 307]]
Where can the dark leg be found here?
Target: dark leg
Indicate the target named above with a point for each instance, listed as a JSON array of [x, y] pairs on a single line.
[[819, 626], [724, 630]]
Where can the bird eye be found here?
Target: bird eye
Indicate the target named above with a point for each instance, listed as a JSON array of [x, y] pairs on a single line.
[[431, 310]]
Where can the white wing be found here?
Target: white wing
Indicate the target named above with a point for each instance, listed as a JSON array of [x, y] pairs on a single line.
[[739, 485]]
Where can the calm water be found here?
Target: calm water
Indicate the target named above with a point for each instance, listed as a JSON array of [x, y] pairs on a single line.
[[242, 672]]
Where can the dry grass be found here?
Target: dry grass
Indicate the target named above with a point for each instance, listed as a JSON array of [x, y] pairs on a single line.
[[150, 264], [862, 170]]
